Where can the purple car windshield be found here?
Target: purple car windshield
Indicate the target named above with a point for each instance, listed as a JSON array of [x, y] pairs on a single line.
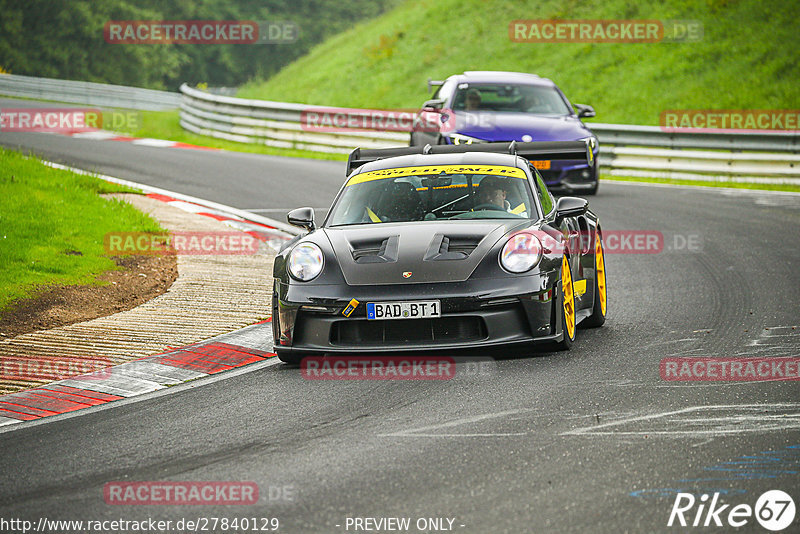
[[515, 98]]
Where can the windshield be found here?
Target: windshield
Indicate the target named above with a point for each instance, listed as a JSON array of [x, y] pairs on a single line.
[[431, 193], [509, 97]]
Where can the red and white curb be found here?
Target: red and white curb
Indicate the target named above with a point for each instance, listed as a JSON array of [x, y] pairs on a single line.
[[246, 346], [270, 235], [103, 135]]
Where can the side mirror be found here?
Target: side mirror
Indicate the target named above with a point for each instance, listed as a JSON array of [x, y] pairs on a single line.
[[585, 111], [570, 207], [434, 105], [302, 217]]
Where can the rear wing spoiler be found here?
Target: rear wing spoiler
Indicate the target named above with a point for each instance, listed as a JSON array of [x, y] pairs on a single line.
[[434, 83], [581, 150]]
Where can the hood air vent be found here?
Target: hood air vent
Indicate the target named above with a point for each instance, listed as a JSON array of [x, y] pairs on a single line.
[[444, 248], [376, 251]]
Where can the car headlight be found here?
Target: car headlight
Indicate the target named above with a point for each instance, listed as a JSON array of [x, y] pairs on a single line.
[[460, 139], [521, 253], [305, 262]]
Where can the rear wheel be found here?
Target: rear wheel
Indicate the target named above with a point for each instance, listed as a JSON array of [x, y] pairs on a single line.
[[567, 306], [598, 316]]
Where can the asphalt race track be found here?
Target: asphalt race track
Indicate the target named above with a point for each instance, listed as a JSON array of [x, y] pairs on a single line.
[[590, 440]]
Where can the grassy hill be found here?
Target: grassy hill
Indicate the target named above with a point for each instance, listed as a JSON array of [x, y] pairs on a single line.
[[747, 58]]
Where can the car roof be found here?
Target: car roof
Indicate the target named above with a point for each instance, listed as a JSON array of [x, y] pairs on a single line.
[[497, 76], [467, 158]]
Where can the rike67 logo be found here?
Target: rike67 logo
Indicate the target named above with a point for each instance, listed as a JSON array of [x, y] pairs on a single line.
[[774, 510]]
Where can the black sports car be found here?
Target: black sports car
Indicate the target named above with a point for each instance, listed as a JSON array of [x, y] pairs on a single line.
[[441, 247]]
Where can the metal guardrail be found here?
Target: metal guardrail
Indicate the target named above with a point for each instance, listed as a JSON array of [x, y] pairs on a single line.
[[654, 136], [745, 167], [746, 157], [88, 93], [625, 150], [276, 124]]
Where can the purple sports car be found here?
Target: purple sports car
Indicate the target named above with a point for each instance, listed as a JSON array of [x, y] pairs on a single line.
[[485, 106]]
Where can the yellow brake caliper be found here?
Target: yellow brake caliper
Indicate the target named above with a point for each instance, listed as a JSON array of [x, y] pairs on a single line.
[[600, 273], [569, 298]]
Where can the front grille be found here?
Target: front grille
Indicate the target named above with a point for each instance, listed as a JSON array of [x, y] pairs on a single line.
[[577, 176], [404, 331]]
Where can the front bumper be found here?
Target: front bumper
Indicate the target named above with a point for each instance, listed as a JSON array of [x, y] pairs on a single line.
[[569, 177], [476, 314]]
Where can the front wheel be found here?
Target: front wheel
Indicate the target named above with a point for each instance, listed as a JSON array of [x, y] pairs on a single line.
[[567, 307]]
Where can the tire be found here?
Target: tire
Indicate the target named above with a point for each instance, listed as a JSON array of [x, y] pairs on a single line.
[[568, 323], [600, 306]]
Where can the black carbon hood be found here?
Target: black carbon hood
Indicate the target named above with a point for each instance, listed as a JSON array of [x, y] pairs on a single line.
[[441, 251]]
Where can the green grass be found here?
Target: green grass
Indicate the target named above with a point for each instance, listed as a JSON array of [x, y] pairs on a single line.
[[47, 217], [166, 125], [747, 59], [704, 183]]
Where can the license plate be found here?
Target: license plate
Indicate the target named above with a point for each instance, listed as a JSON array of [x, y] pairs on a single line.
[[420, 309], [542, 165]]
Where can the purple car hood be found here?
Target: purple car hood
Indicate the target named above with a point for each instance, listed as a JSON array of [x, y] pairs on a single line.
[[513, 126]]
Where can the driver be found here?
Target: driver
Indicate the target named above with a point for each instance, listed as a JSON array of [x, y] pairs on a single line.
[[492, 190], [473, 100]]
